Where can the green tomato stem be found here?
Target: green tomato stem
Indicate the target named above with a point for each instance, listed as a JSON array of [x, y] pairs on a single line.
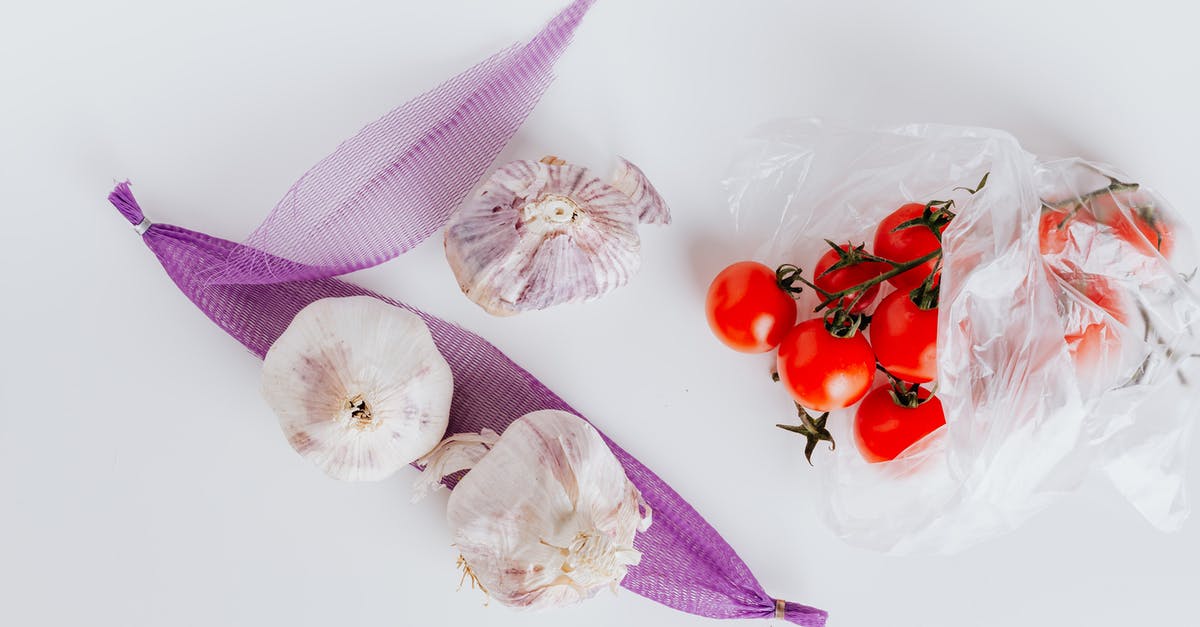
[[897, 269]]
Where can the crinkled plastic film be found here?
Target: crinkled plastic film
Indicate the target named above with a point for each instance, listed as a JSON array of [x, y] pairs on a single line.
[[1059, 353]]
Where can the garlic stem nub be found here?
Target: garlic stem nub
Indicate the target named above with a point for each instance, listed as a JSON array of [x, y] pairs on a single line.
[[360, 413], [553, 208]]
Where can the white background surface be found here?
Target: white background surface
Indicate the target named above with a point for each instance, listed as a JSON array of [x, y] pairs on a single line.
[[144, 482]]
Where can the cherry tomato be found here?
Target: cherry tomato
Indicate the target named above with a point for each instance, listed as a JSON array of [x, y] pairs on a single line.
[[844, 278], [1054, 231], [746, 308], [1102, 292], [1094, 347], [907, 245], [1093, 337], [904, 337], [883, 428], [1145, 230], [824, 372], [1132, 216]]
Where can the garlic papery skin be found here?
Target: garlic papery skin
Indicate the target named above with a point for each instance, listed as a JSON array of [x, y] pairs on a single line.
[[543, 233], [649, 204], [460, 451], [359, 387], [547, 517]]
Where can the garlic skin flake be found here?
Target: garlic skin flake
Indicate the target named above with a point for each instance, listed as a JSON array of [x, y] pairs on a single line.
[[544, 233], [547, 517], [460, 451], [650, 206], [359, 387]]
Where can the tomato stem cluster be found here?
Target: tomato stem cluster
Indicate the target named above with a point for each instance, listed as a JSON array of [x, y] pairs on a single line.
[[1076, 204], [897, 269], [840, 306], [904, 394]]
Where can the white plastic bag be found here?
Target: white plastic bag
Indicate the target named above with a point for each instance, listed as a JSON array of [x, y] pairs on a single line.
[[1049, 365]]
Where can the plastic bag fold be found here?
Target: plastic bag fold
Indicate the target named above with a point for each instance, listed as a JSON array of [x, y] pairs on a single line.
[[1065, 337]]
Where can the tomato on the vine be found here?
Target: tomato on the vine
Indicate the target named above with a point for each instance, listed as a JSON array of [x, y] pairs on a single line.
[[884, 428], [746, 308], [907, 244], [904, 337], [1132, 216], [848, 277], [824, 372]]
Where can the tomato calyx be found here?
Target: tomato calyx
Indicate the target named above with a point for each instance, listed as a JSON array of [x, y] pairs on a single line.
[[1149, 215], [939, 213], [897, 269], [841, 323], [813, 430], [904, 394], [925, 297], [788, 275], [850, 255]]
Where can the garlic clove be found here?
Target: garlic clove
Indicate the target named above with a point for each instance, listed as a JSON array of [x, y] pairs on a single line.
[[547, 517], [359, 387], [539, 234], [649, 204]]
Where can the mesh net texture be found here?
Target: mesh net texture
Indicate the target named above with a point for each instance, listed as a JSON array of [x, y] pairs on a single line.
[[381, 193]]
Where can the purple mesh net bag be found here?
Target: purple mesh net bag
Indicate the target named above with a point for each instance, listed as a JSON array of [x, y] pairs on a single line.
[[381, 193]]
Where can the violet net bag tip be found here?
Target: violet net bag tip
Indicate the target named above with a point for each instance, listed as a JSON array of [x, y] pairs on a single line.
[[383, 192]]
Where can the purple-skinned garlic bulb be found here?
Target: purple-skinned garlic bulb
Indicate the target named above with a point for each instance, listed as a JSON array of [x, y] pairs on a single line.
[[546, 516], [543, 233], [359, 387]]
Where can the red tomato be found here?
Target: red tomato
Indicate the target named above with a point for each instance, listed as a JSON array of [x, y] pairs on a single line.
[[1053, 232], [1092, 337], [904, 337], [1094, 348], [1102, 292], [1132, 216], [824, 372], [1145, 231], [844, 278], [906, 245], [746, 308], [1059, 230], [883, 428]]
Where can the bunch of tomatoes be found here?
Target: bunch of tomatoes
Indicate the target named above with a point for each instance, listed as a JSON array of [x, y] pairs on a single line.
[[829, 361], [1125, 221]]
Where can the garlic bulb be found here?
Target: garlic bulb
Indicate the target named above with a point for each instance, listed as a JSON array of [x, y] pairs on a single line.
[[543, 233], [546, 517], [359, 387]]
